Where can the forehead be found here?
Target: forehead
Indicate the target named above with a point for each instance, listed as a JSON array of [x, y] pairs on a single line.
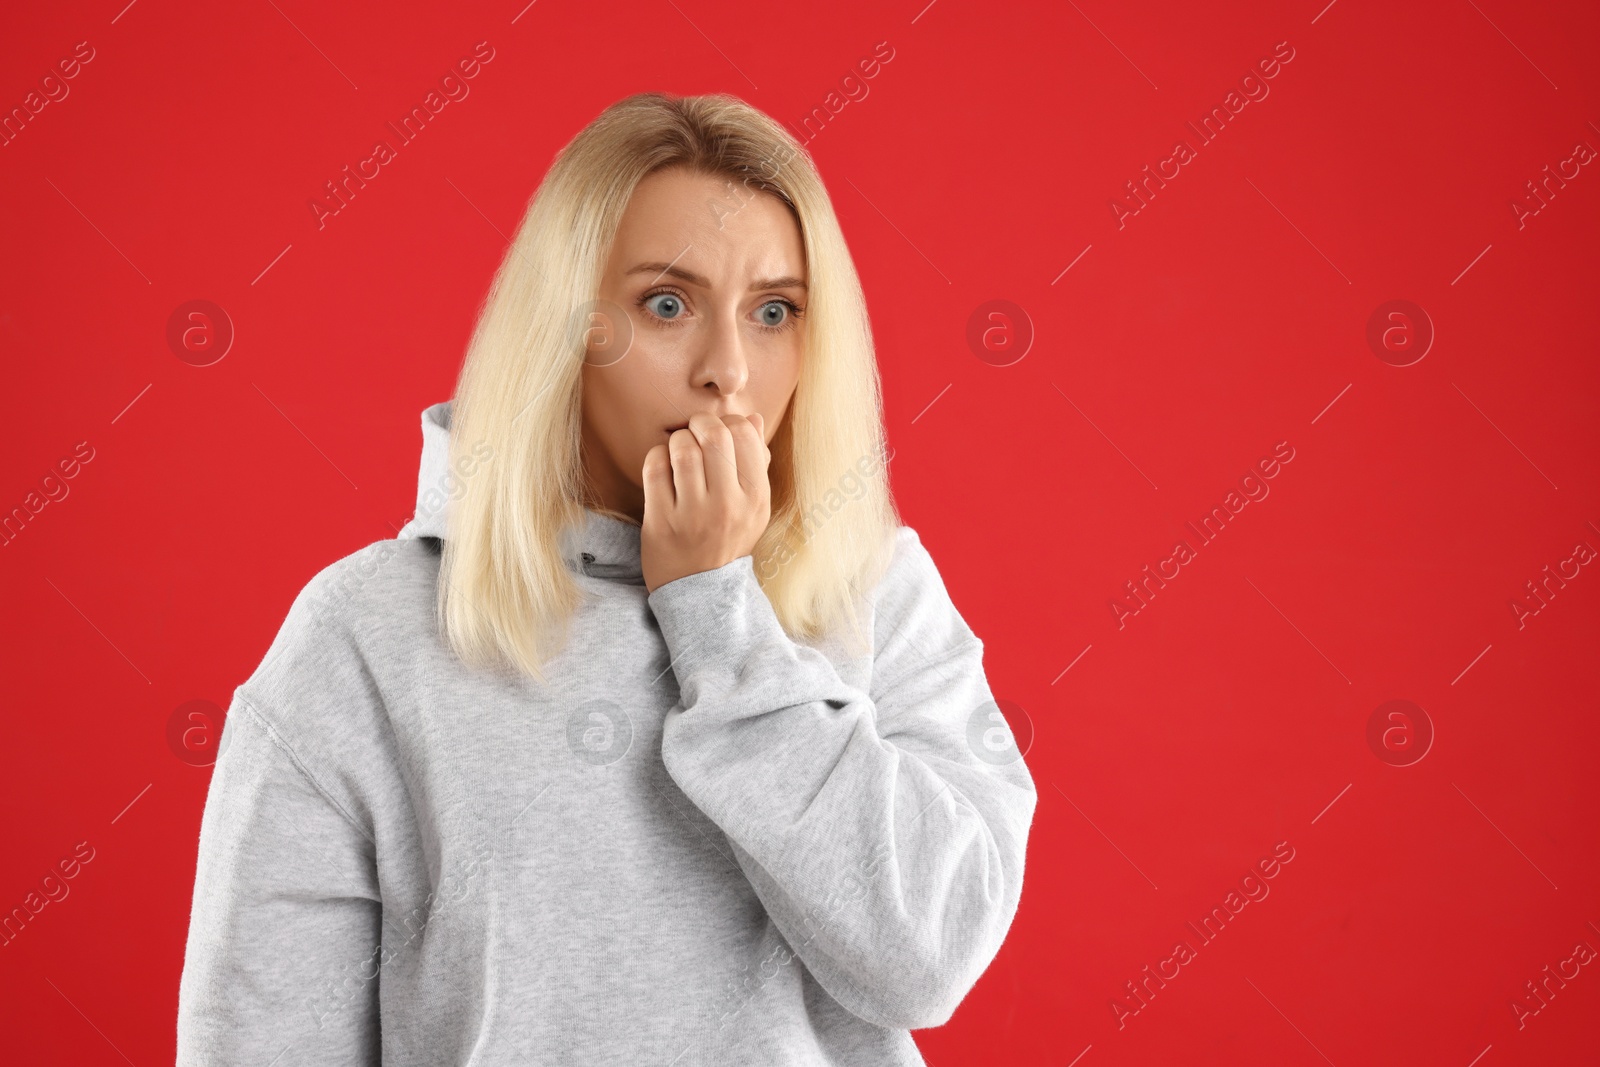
[[708, 227]]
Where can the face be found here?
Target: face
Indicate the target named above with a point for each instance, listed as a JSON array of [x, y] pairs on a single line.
[[716, 323]]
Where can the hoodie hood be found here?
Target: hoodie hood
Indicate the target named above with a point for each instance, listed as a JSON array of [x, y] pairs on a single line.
[[603, 547]]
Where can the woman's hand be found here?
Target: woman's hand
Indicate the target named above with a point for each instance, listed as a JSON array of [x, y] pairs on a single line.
[[706, 497]]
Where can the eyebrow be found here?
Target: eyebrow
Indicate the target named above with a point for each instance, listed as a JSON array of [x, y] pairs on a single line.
[[658, 269]]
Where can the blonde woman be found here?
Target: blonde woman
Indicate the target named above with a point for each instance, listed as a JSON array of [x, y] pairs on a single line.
[[653, 738]]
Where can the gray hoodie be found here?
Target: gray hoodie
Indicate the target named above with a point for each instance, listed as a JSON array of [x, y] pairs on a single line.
[[702, 842]]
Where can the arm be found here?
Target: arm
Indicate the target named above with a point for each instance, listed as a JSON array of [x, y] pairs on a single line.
[[887, 852], [285, 920]]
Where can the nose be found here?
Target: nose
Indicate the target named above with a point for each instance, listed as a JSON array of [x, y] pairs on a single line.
[[721, 362]]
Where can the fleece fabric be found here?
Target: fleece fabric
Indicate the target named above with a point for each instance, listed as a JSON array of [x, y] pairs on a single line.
[[702, 842]]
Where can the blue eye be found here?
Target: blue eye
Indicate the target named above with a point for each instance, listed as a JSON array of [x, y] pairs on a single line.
[[773, 313], [664, 305]]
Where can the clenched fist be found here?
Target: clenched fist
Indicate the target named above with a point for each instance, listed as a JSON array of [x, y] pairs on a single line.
[[706, 497]]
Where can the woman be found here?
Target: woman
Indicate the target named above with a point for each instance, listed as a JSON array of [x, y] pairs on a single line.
[[653, 738]]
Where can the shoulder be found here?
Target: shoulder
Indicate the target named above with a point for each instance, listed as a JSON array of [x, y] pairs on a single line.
[[369, 585], [350, 637], [912, 604], [379, 596]]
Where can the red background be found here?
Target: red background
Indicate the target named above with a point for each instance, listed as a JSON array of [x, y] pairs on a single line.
[[1229, 314]]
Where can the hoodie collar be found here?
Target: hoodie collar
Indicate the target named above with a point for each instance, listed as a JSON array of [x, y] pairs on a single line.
[[605, 545]]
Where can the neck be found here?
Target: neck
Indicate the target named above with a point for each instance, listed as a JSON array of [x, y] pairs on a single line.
[[607, 489]]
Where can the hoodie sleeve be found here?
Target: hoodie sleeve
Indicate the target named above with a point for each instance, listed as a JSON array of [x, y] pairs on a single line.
[[884, 831], [285, 920]]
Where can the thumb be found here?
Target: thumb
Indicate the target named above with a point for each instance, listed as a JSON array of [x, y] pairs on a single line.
[[760, 424]]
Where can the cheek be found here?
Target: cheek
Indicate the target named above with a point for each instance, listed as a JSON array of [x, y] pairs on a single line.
[[773, 390], [623, 408], [605, 418], [782, 370]]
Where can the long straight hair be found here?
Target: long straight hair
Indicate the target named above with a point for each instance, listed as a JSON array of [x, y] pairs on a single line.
[[505, 592]]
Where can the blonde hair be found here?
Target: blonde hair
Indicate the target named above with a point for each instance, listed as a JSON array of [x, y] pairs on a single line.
[[505, 594]]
